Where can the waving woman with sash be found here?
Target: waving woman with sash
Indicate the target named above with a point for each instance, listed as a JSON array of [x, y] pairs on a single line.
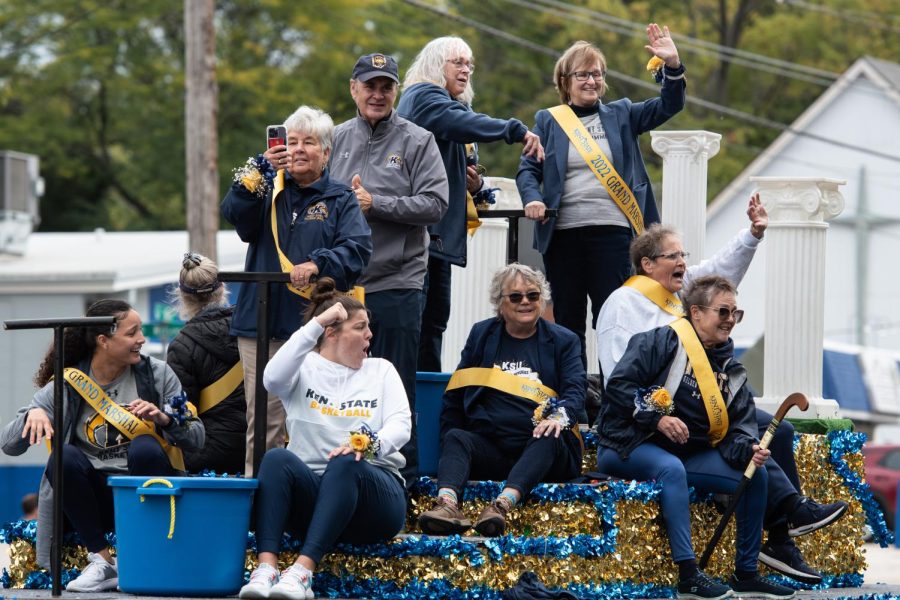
[[678, 410], [124, 415], [295, 219], [510, 408], [594, 174]]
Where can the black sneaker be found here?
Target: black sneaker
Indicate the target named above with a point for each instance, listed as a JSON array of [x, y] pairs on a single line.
[[810, 516], [759, 587], [701, 587], [787, 560]]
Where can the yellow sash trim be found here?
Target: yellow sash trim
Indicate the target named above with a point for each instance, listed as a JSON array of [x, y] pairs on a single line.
[[657, 294], [286, 265], [506, 382], [706, 380], [118, 417], [602, 168], [221, 388]]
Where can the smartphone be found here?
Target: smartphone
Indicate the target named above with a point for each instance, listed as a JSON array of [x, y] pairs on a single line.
[[276, 135]]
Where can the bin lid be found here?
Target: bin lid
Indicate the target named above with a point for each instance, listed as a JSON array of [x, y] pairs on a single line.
[[430, 376], [232, 483]]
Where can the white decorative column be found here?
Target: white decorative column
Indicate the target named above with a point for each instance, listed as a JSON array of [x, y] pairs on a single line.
[[685, 157], [799, 208]]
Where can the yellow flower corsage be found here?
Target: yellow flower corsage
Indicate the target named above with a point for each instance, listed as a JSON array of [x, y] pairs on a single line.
[[550, 409], [255, 175], [366, 441], [655, 66], [655, 398]]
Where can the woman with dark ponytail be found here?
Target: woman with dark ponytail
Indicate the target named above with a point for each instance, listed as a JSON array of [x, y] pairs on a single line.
[[205, 357], [347, 418], [139, 430]]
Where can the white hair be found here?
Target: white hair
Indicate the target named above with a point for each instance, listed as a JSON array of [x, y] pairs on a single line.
[[309, 120], [428, 66], [509, 273]]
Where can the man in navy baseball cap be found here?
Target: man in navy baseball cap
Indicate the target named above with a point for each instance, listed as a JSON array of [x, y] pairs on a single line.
[[375, 65]]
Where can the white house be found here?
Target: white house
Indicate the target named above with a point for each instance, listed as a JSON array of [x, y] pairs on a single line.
[[851, 132]]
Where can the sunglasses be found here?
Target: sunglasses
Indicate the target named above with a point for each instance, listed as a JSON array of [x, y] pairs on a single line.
[[517, 297], [725, 312]]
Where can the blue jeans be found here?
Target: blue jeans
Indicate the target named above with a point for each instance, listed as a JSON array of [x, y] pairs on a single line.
[[88, 501], [706, 471], [352, 501], [585, 262], [466, 455], [396, 316], [435, 314]]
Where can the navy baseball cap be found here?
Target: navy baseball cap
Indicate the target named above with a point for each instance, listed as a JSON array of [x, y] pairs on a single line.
[[375, 65]]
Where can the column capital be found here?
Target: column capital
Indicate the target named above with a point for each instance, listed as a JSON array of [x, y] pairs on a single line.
[[800, 199], [693, 143]]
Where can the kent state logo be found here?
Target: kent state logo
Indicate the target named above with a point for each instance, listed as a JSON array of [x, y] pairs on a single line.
[[394, 161], [101, 434], [378, 61], [317, 212]]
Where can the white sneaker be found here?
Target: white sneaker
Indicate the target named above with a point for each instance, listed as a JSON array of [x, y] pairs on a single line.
[[296, 584], [97, 576], [262, 579]]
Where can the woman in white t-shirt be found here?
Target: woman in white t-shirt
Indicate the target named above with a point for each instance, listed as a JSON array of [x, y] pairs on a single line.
[[347, 418]]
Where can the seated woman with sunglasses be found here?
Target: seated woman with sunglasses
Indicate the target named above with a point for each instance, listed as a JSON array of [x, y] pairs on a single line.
[[652, 299], [678, 410], [510, 406]]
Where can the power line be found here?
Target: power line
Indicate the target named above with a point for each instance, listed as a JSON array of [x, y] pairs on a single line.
[[725, 110], [725, 53], [868, 18]]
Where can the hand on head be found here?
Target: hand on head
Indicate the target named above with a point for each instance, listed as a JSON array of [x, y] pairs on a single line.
[[333, 315]]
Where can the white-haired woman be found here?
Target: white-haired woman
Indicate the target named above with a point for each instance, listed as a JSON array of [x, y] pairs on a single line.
[[437, 96], [206, 359], [509, 407], [300, 222]]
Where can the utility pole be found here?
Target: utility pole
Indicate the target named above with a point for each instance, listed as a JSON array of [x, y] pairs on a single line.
[[201, 138]]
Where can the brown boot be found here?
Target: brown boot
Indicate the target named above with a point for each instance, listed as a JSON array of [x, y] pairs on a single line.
[[492, 520], [444, 518]]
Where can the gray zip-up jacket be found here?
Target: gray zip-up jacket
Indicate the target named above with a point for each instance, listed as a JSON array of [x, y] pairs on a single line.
[[400, 166], [151, 375]]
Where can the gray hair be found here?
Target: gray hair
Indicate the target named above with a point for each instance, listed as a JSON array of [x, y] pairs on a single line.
[[509, 273], [198, 286], [428, 66], [649, 244], [307, 119], [703, 289]]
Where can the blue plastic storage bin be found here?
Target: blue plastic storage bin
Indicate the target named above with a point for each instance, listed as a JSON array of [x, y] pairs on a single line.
[[429, 394], [208, 524]]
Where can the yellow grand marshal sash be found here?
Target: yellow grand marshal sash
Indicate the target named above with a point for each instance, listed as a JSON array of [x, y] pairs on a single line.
[[706, 379], [601, 166], [657, 294], [221, 388], [504, 381], [286, 265], [129, 425]]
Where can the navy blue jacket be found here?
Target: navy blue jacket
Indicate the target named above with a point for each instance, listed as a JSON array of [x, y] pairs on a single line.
[[560, 368], [329, 229], [623, 121], [646, 363], [454, 125]]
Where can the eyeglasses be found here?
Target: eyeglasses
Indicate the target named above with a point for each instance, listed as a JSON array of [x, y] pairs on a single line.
[[673, 255], [461, 63], [725, 312], [583, 75], [517, 297]]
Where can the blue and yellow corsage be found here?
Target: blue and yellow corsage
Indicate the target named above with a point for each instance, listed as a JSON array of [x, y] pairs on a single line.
[[256, 175], [551, 409], [655, 66], [654, 398], [366, 441]]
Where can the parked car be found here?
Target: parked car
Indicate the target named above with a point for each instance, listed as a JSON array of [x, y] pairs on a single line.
[[883, 475]]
